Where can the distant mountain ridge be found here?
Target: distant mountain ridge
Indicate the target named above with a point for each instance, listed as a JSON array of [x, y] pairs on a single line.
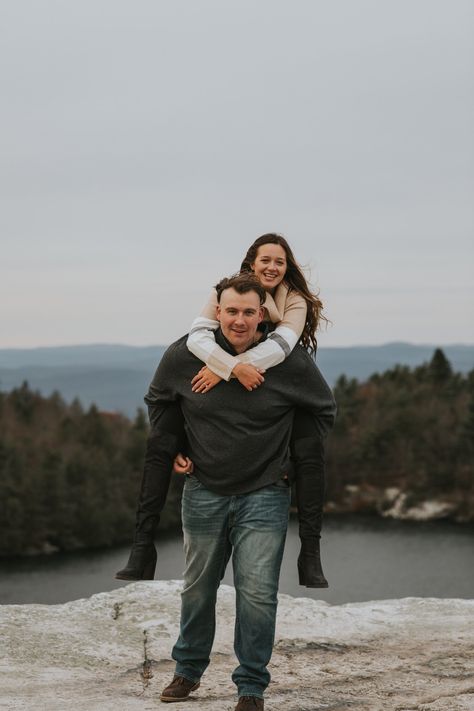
[[115, 377], [83, 355]]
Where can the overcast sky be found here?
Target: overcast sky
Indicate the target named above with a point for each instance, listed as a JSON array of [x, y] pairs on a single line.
[[146, 144]]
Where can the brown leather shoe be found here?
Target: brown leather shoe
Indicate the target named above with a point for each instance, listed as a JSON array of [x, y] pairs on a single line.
[[179, 689], [249, 703]]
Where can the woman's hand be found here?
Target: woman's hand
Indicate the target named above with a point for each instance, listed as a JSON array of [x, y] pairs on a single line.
[[248, 375], [182, 464], [204, 381]]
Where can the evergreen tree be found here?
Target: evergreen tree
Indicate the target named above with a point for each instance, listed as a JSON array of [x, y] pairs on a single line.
[[440, 368], [70, 478]]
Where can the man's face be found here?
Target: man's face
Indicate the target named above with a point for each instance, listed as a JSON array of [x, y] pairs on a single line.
[[239, 316]]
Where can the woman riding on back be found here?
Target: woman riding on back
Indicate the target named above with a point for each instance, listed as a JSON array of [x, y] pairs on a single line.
[[294, 314]]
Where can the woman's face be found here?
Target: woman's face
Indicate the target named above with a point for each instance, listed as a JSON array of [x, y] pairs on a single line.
[[270, 265]]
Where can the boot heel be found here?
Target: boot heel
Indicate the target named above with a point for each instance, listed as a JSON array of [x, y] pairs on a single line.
[[301, 575], [149, 570]]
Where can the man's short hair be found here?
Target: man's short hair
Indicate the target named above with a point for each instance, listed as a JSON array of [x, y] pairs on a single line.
[[242, 283]]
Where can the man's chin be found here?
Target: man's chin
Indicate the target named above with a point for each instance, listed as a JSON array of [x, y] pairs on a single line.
[[238, 340]]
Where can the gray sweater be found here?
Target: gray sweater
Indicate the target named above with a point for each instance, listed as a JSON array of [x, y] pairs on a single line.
[[238, 440]]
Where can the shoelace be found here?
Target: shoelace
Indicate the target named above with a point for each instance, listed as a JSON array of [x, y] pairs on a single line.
[[180, 681]]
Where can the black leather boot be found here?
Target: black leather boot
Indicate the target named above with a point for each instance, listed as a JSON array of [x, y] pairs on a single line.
[[310, 572], [162, 447], [308, 460], [142, 560]]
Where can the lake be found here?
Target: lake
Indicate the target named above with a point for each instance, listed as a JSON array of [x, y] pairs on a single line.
[[364, 558]]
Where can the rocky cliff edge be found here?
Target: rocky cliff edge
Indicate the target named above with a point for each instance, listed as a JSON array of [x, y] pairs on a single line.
[[112, 651]]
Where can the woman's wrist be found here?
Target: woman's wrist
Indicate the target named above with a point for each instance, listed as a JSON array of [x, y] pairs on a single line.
[[237, 367]]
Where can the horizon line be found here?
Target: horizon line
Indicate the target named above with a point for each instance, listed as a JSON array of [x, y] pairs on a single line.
[[109, 344]]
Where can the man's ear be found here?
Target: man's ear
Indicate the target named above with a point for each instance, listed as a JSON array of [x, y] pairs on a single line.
[[218, 312], [261, 314]]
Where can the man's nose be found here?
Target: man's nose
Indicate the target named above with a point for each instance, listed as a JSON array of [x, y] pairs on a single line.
[[239, 318]]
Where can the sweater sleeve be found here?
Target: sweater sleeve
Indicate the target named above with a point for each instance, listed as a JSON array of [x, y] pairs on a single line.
[[310, 391], [162, 390], [202, 341], [316, 396], [283, 339]]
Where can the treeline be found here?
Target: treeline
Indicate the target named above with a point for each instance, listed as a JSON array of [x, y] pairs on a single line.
[[69, 478], [406, 429]]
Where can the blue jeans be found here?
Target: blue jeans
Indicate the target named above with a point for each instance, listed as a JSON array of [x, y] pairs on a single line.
[[252, 527]]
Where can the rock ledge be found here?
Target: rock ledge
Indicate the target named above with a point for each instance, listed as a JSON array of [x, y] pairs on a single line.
[[112, 651]]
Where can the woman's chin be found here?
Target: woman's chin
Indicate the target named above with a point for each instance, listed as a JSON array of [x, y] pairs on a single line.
[[269, 285]]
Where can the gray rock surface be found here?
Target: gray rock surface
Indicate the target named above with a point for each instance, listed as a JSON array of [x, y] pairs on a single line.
[[112, 651]]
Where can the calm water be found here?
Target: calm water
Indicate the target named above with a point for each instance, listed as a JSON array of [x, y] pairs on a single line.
[[363, 559]]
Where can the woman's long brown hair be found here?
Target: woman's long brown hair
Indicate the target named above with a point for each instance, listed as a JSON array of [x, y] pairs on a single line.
[[296, 280]]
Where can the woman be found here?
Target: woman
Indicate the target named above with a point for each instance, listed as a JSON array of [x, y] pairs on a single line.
[[296, 313]]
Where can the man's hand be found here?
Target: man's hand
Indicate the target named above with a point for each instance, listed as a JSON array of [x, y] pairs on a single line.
[[248, 375], [182, 464], [204, 381]]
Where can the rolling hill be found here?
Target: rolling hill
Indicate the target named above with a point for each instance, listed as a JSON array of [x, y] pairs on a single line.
[[115, 377]]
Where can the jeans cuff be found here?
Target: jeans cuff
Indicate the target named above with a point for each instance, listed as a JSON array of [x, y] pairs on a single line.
[[250, 692]]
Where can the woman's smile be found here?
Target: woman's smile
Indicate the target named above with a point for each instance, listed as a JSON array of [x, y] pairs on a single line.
[[270, 265]]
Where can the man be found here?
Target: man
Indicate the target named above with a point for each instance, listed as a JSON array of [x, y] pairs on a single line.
[[237, 500]]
